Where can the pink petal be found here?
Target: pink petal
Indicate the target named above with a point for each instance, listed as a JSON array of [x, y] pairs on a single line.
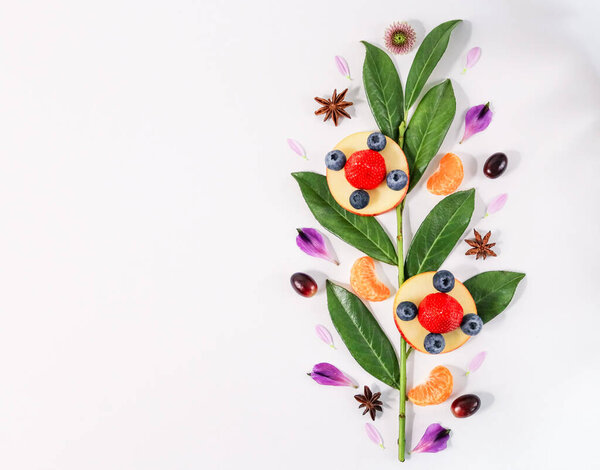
[[497, 203], [473, 57], [342, 66], [325, 335], [374, 435], [296, 147], [476, 362]]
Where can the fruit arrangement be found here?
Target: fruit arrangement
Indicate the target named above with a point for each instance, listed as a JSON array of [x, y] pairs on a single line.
[[435, 313], [369, 173]]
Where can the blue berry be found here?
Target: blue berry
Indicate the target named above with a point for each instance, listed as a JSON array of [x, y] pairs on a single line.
[[335, 160], [376, 141], [471, 324], [396, 180], [443, 281], [434, 343], [359, 199], [406, 311]]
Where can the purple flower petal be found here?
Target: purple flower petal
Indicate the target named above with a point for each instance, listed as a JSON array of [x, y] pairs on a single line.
[[374, 435], [476, 362], [328, 374], [296, 147], [311, 242], [478, 118], [342, 66], [472, 58], [324, 334], [497, 204], [435, 439]]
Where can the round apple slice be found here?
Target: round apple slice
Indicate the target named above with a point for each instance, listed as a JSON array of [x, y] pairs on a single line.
[[382, 198], [415, 290]]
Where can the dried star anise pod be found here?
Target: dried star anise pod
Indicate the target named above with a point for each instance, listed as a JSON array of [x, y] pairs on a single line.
[[334, 107], [370, 402], [481, 247]]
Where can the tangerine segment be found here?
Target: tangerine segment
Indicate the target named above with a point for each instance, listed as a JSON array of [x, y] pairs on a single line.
[[436, 390], [364, 280], [447, 177]]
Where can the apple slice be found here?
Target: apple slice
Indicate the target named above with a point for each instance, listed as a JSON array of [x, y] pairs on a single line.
[[381, 198], [415, 290]]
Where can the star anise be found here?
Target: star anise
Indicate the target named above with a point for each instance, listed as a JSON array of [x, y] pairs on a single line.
[[481, 247], [370, 402], [334, 107]]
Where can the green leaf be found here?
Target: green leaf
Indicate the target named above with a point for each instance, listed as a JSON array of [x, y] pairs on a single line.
[[384, 90], [439, 232], [362, 335], [493, 291], [427, 129], [362, 232], [429, 54]]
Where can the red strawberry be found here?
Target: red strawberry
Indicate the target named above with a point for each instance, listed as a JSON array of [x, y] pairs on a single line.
[[440, 313], [365, 169]]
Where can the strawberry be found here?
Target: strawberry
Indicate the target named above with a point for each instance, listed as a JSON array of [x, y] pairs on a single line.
[[440, 313], [365, 169]]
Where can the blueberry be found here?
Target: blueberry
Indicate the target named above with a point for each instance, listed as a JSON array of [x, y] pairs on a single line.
[[471, 324], [443, 281], [376, 141], [434, 343], [406, 311], [335, 160], [359, 199], [396, 180]]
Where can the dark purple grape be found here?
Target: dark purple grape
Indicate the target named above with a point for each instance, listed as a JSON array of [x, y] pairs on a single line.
[[465, 405], [495, 165], [303, 284]]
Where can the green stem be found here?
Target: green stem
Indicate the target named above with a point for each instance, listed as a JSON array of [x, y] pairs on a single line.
[[403, 346], [403, 351], [400, 248], [402, 130]]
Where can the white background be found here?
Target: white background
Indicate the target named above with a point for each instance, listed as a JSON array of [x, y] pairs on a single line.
[[148, 222]]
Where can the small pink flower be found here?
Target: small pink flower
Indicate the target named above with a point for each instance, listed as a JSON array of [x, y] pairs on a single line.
[[400, 38]]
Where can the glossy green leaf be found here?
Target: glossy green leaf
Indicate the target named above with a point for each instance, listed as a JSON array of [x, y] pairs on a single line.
[[362, 232], [493, 291], [439, 233], [429, 54], [427, 129], [362, 335], [383, 90]]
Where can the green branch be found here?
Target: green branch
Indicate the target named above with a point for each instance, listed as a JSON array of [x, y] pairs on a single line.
[[403, 345], [403, 352]]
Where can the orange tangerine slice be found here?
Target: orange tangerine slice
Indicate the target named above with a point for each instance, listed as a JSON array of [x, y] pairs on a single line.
[[436, 390], [364, 280], [447, 177]]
